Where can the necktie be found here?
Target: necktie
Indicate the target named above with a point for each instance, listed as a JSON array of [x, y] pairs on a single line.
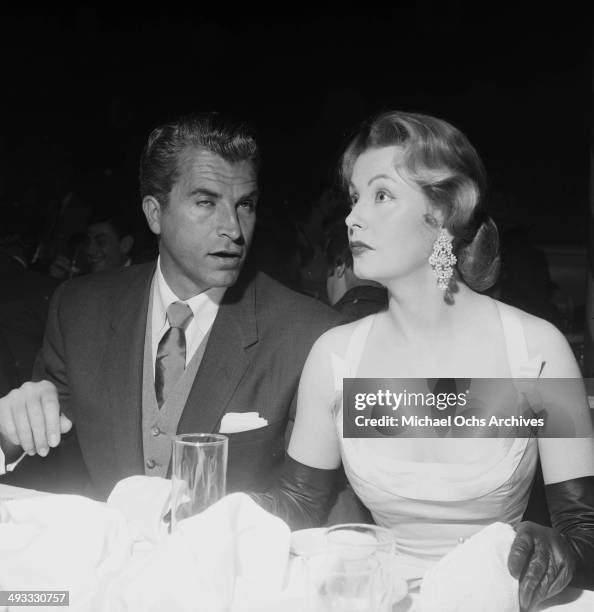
[[171, 353]]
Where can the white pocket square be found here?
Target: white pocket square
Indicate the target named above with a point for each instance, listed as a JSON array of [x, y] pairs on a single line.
[[234, 422]]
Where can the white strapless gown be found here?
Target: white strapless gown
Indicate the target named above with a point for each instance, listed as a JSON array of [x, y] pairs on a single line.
[[458, 487]]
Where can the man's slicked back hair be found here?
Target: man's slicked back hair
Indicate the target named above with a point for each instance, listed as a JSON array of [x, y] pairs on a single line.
[[234, 141]]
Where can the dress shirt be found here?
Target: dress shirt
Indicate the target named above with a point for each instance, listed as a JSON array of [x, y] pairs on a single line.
[[204, 306]]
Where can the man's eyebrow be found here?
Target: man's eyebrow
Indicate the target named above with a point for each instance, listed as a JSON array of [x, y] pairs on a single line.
[[215, 195], [204, 191], [252, 194]]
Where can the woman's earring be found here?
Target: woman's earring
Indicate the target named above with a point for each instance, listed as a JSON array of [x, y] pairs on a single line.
[[442, 259]]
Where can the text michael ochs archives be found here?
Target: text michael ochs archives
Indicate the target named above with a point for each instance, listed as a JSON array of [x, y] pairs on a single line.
[[448, 407]]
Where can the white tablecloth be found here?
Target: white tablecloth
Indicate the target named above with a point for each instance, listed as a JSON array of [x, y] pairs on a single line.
[[571, 600]]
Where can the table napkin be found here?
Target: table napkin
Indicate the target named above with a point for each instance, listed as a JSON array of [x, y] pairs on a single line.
[[473, 576], [60, 542], [231, 554], [144, 501]]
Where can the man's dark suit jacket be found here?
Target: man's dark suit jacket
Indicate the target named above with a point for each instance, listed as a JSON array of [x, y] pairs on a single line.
[[93, 352]]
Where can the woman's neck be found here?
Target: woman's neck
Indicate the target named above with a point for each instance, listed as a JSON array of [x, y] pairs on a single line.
[[418, 308]]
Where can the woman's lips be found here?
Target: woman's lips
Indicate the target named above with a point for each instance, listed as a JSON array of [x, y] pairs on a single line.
[[357, 247]]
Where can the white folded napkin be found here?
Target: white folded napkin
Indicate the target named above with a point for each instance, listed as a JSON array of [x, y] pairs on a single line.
[[231, 554], [234, 422], [473, 576], [144, 501], [61, 542]]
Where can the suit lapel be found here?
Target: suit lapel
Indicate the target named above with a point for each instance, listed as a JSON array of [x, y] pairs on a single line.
[[224, 362], [125, 354]]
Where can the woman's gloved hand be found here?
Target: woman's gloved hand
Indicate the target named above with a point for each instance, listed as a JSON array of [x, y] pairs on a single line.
[[542, 560], [547, 560]]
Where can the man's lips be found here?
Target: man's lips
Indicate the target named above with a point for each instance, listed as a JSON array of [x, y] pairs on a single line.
[[227, 254], [227, 259], [357, 247]]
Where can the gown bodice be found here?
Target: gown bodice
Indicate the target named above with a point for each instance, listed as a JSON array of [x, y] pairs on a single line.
[[435, 492]]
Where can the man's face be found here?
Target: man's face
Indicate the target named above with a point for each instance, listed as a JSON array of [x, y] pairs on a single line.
[[104, 248], [207, 226]]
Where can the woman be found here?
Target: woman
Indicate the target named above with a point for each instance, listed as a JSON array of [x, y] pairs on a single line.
[[417, 226]]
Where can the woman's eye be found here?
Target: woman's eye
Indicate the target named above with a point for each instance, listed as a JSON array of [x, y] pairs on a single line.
[[354, 199], [382, 196]]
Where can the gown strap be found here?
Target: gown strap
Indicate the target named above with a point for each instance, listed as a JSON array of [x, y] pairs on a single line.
[[356, 344], [521, 364], [347, 366]]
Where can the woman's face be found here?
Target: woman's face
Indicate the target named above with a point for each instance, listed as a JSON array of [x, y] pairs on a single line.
[[389, 235]]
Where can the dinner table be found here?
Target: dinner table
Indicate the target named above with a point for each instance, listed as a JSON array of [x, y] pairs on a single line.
[[293, 598]]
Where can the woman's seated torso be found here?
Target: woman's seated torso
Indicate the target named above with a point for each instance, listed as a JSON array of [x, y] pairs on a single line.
[[435, 492]]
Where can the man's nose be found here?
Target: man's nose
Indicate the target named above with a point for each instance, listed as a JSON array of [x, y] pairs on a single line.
[[229, 225]]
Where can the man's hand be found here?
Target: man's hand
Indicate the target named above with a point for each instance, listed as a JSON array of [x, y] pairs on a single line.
[[542, 561], [60, 268], [30, 417]]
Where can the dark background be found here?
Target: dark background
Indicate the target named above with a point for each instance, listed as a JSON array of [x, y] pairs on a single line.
[[81, 89]]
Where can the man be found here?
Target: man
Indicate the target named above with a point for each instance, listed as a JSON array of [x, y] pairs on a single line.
[[353, 297], [107, 246], [114, 342]]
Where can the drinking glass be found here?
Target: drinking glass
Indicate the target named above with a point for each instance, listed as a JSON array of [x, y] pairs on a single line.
[[335, 584], [198, 475], [354, 542]]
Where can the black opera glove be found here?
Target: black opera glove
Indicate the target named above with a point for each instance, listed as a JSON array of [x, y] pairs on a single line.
[[542, 560], [547, 560], [571, 504], [302, 496]]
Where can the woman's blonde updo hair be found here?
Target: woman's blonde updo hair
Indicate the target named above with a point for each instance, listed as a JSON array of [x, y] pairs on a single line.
[[443, 163]]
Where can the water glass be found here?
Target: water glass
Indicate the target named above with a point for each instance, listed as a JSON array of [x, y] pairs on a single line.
[[199, 473], [335, 584], [355, 542]]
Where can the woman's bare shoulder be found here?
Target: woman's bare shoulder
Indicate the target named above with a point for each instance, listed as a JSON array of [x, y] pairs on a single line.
[[336, 340], [537, 330], [546, 340]]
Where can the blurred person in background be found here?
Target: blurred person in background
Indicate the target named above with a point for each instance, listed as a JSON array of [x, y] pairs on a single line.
[[525, 280], [24, 304], [67, 212], [24, 298], [107, 246], [353, 297]]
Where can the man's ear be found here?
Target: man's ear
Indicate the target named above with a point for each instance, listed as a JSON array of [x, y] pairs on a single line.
[[126, 244], [152, 212]]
